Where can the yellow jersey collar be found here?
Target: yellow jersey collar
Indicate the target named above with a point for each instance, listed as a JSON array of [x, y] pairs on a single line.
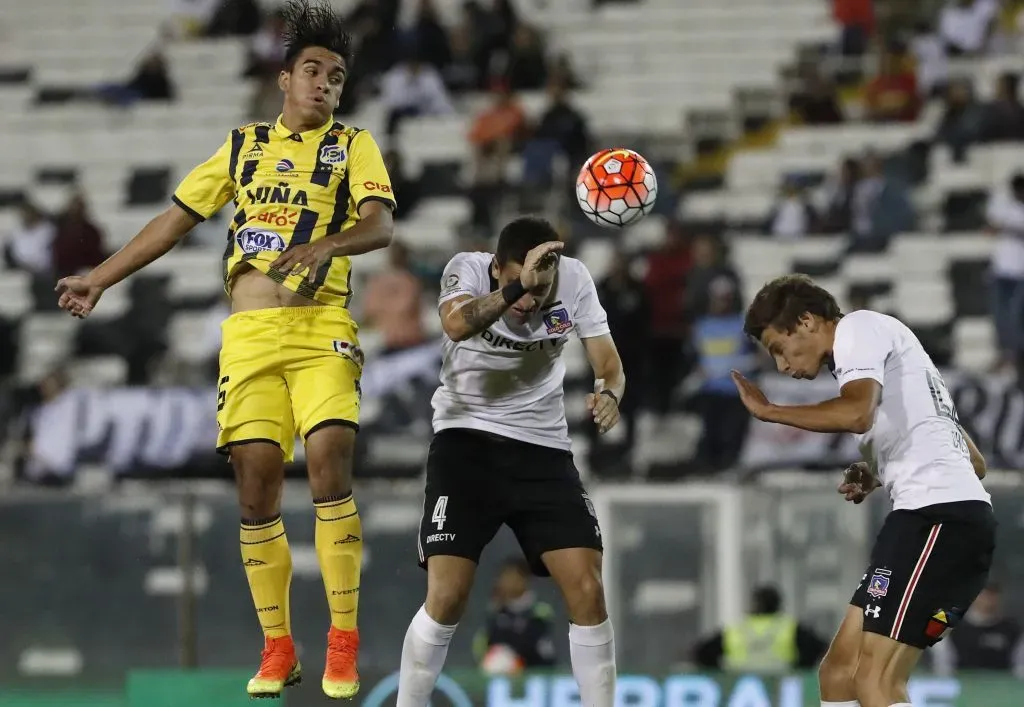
[[309, 135]]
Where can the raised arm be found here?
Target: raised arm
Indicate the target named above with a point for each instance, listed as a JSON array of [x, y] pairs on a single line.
[[78, 295], [464, 315]]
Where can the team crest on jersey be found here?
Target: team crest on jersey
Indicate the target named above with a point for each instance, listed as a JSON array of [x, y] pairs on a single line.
[[285, 166], [332, 154], [557, 321], [254, 240], [451, 283], [878, 585]]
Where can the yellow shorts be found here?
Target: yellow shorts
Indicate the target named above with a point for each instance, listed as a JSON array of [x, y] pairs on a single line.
[[287, 371]]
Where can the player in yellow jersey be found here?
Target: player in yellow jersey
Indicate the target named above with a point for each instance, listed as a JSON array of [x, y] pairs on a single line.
[[308, 194]]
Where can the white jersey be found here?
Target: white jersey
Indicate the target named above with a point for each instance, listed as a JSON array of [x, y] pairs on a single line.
[[508, 379], [915, 443]]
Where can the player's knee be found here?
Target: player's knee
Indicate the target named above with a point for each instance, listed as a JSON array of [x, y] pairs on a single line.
[[446, 602], [329, 453], [259, 471], [836, 673], [875, 682], [584, 595]]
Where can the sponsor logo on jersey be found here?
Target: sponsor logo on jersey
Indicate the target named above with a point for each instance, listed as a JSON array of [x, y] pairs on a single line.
[[254, 240], [440, 537], [377, 186], [503, 342], [255, 152], [285, 166], [878, 586], [557, 321], [280, 194], [332, 154]]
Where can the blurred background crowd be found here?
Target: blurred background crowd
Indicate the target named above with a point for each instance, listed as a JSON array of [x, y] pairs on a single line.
[[877, 145]]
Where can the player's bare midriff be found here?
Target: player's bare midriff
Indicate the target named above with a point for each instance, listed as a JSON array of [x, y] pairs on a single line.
[[251, 289]]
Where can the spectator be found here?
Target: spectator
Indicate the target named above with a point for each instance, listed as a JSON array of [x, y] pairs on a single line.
[[235, 18], [527, 67], [267, 49], [837, 195], [499, 128], [710, 262], [962, 121], [1004, 117], [667, 270], [430, 37], [562, 130], [561, 72], [967, 25], [393, 303], [413, 88], [857, 19], [151, 82], [793, 216], [721, 347], [1005, 216], [78, 243], [629, 317], [408, 190], [766, 641], [463, 73], [929, 52], [818, 104], [190, 18], [30, 245], [516, 622], [880, 209], [892, 95], [986, 639]]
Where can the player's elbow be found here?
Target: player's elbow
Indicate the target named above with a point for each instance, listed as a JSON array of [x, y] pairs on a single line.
[[861, 422], [455, 330]]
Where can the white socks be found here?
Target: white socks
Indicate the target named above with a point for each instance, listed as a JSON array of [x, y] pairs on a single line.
[[423, 654], [592, 650], [851, 703]]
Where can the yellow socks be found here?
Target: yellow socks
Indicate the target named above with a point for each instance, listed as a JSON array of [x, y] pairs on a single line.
[[339, 547], [268, 566]]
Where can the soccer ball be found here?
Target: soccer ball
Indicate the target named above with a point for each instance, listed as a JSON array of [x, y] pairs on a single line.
[[616, 188], [502, 660]]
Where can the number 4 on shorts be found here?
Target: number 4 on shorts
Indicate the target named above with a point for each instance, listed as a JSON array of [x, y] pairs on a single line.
[[440, 510]]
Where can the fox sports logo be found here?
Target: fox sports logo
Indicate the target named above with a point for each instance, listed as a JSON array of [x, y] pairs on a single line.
[[253, 240]]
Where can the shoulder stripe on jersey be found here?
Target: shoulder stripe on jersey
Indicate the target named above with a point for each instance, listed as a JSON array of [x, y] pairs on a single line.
[[262, 133], [229, 248], [237, 139], [341, 197], [303, 231]]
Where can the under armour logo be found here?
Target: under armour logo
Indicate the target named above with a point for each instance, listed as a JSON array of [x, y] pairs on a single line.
[[872, 611]]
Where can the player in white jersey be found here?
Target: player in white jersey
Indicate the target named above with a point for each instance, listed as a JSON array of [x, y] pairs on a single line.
[[933, 554], [501, 450]]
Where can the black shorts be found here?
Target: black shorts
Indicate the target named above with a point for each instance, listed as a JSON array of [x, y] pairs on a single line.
[[927, 567], [477, 481]]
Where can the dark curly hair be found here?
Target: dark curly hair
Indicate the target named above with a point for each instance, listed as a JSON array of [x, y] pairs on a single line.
[[314, 24], [782, 301]]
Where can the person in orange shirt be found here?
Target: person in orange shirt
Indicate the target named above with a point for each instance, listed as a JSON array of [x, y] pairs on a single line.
[[892, 95], [393, 304]]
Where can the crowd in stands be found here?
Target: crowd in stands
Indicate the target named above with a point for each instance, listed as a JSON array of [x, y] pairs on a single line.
[[675, 311]]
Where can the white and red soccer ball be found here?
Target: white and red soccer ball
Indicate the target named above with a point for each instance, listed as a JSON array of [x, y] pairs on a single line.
[[616, 187]]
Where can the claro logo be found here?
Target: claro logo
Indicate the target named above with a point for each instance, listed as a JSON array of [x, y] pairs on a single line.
[[377, 186]]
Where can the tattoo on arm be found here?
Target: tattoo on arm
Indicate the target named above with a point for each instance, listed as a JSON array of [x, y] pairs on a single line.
[[480, 312]]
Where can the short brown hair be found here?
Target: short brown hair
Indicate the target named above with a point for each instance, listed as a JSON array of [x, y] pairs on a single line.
[[782, 301]]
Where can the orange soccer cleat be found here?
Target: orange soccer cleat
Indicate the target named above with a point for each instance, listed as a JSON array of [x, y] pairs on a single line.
[[341, 679], [279, 669]]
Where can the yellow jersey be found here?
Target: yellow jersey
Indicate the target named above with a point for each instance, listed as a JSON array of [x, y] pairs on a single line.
[[289, 189]]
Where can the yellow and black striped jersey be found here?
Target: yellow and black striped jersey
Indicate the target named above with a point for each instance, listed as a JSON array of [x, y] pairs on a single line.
[[289, 189]]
